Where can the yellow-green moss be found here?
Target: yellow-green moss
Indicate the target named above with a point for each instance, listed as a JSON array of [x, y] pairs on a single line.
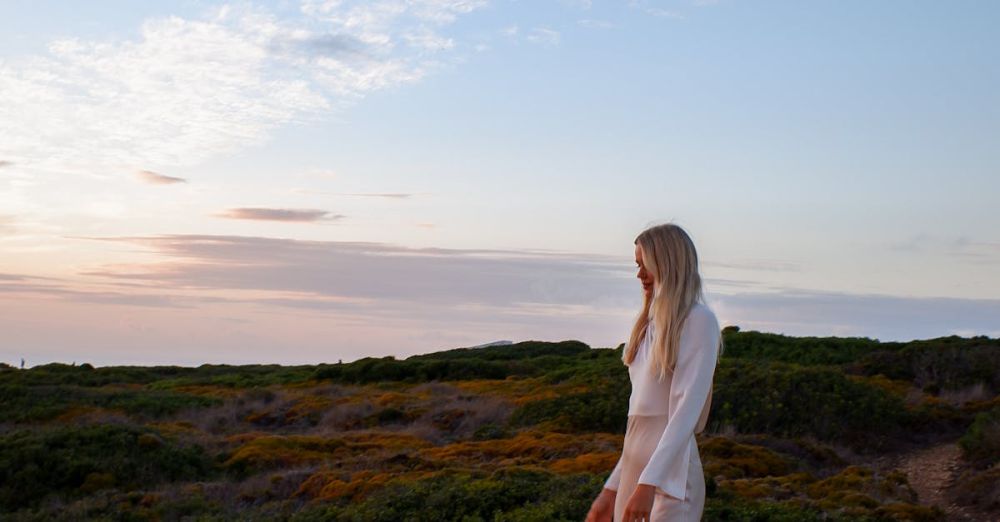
[[730, 459], [909, 512]]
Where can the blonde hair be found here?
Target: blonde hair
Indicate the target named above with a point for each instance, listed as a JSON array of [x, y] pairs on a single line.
[[669, 253]]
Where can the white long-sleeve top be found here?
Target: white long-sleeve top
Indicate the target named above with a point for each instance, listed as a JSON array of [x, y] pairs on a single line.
[[684, 396]]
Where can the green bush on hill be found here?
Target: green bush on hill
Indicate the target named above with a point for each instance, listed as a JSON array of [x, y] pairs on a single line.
[[981, 443], [603, 408], [509, 352], [790, 400], [778, 392], [241, 376], [75, 461], [372, 370], [492, 362], [799, 350], [938, 364], [22, 403]]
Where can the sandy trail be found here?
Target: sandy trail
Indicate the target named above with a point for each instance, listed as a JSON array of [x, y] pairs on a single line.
[[931, 471]]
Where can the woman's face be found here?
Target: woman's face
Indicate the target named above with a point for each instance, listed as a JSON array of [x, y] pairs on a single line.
[[645, 276]]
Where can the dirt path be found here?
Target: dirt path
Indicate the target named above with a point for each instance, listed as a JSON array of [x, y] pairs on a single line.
[[930, 472]]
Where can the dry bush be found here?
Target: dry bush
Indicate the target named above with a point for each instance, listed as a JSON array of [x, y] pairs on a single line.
[[279, 485], [344, 417], [726, 458], [525, 448], [232, 415], [961, 396], [329, 484], [435, 412], [979, 488], [595, 463], [457, 417], [915, 396], [518, 391], [860, 480], [435, 389], [817, 456], [855, 491], [89, 415], [375, 449], [727, 429]]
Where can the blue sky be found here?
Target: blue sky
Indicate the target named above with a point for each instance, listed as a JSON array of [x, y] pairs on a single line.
[[303, 181]]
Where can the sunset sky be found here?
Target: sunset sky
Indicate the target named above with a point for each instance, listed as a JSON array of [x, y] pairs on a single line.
[[304, 181]]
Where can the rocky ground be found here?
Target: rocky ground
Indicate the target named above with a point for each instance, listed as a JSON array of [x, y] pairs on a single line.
[[931, 472]]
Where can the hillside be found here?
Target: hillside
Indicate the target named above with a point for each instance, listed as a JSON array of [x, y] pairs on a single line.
[[802, 428]]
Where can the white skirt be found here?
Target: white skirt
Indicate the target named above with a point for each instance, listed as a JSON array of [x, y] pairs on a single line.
[[641, 436]]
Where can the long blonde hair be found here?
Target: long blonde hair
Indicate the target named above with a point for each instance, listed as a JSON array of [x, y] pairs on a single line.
[[669, 253]]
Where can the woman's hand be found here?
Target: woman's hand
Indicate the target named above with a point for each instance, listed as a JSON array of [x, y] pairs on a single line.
[[640, 504], [603, 507]]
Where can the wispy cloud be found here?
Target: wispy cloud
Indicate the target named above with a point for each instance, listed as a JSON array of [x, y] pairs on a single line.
[[213, 84], [588, 23], [6, 224], [914, 243], [972, 250], [279, 214], [430, 283], [153, 178], [25, 290], [537, 35], [230, 298], [765, 265], [543, 35], [425, 276], [664, 13], [643, 5], [429, 40], [976, 251], [385, 195]]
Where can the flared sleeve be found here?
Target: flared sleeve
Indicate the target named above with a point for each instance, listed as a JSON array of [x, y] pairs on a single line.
[[615, 478], [690, 388]]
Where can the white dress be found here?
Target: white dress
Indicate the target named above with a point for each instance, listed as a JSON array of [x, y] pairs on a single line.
[[663, 416]]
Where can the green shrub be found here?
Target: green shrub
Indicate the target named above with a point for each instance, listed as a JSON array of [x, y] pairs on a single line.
[[494, 362], [981, 443], [21, 403], [86, 375], [511, 352], [790, 400], [938, 364], [799, 350], [75, 461], [371, 370], [580, 412], [732, 510]]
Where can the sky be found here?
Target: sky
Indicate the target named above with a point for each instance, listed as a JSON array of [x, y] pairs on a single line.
[[308, 181]]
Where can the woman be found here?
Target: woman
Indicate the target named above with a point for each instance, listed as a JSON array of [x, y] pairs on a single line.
[[671, 358]]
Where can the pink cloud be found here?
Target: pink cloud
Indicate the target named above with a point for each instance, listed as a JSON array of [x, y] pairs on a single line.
[[279, 214], [154, 178]]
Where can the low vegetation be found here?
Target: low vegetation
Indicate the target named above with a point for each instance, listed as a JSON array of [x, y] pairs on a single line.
[[522, 432]]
